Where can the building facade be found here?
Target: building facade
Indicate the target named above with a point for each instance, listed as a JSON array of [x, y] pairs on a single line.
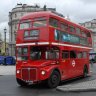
[[14, 16], [4, 51], [92, 26]]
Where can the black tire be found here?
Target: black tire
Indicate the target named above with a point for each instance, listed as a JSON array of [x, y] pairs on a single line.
[[54, 80], [21, 83], [85, 71]]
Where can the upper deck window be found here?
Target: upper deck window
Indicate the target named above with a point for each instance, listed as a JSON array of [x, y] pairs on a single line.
[[72, 29], [83, 41], [88, 34], [25, 25], [65, 37], [74, 39], [78, 31], [64, 26], [53, 22], [84, 34], [39, 23], [57, 34]]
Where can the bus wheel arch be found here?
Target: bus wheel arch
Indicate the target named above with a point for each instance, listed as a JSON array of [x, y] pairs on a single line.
[[85, 71], [54, 79]]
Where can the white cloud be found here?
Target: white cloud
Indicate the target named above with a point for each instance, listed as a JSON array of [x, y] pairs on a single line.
[[78, 10]]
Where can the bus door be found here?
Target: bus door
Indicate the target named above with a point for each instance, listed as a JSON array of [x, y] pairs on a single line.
[[81, 60], [65, 64], [79, 63], [73, 64]]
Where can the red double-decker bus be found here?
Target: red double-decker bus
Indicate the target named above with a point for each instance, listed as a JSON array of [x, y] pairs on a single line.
[[51, 49]]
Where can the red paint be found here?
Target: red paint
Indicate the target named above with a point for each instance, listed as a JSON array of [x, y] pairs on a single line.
[[67, 70]]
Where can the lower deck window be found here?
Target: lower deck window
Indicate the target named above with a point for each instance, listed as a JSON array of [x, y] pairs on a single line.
[[65, 54], [37, 53], [22, 53], [80, 55], [72, 54]]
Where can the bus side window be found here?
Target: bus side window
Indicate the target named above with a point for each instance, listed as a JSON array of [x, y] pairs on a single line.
[[65, 54], [80, 55], [53, 22], [64, 26], [84, 54], [72, 29], [88, 34], [72, 54]]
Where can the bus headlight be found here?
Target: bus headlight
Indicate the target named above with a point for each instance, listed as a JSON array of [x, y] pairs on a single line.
[[18, 71], [43, 72]]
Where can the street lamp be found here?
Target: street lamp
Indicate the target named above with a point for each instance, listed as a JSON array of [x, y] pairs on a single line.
[[5, 30]]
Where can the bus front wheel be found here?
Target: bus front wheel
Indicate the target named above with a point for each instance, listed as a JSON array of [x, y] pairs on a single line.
[[54, 79], [21, 83]]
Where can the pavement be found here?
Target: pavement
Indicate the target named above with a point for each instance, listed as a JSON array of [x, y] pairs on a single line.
[[89, 85], [79, 87], [7, 70]]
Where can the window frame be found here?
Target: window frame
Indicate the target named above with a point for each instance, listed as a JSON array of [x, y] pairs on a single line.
[[72, 29], [88, 34], [75, 55], [78, 31], [23, 55], [38, 21], [65, 25], [86, 54], [64, 51], [26, 31], [26, 22], [82, 39], [83, 33], [80, 53], [57, 25]]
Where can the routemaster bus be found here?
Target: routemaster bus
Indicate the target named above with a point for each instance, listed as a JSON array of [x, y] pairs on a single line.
[[50, 49]]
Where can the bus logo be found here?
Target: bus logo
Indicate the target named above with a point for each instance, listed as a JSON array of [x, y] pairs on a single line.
[[73, 63]]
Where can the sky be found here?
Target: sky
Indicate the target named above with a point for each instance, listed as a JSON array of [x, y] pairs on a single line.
[[79, 11]]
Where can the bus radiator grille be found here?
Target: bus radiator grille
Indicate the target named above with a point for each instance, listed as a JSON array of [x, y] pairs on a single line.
[[29, 74]]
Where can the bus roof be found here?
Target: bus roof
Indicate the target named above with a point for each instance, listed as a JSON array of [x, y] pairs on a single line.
[[49, 13], [37, 14]]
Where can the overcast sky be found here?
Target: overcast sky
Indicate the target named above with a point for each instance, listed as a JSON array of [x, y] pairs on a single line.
[[78, 10]]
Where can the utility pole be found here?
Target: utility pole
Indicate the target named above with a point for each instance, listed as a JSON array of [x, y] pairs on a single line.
[[5, 30]]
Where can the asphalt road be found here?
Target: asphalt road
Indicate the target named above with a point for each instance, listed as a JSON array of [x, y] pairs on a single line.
[[9, 87]]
